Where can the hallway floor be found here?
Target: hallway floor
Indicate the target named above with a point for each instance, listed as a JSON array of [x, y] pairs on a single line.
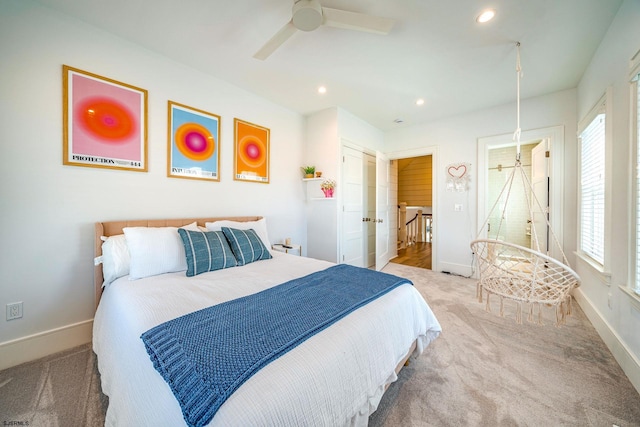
[[416, 255]]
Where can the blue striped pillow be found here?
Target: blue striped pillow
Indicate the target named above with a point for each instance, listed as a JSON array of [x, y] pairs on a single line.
[[206, 251], [246, 245]]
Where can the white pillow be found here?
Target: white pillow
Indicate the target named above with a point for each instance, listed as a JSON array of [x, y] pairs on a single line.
[[155, 250], [115, 258], [260, 227]]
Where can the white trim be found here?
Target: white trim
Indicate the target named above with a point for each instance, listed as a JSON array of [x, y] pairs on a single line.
[[598, 107], [604, 105], [432, 151], [632, 171], [623, 355], [32, 347], [458, 269], [633, 297], [634, 66], [555, 134], [604, 276]]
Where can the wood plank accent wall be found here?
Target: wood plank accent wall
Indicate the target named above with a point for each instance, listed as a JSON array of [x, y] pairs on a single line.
[[414, 181]]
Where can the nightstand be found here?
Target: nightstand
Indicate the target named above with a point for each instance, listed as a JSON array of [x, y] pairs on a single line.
[[292, 249]]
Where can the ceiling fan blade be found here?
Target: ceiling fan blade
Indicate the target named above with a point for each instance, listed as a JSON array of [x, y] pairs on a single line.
[[276, 41], [356, 21]]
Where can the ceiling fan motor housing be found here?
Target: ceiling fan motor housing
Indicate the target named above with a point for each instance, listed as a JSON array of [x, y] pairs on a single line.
[[307, 15]]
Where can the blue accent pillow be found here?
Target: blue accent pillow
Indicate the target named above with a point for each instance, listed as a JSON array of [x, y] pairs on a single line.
[[206, 251], [246, 245]]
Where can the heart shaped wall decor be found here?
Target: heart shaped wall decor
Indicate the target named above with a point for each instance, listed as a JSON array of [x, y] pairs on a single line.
[[457, 171]]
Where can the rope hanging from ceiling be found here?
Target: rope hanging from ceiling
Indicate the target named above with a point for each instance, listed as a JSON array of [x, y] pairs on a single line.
[[528, 276]]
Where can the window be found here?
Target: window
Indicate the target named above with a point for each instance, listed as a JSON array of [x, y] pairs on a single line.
[[635, 139], [592, 187]]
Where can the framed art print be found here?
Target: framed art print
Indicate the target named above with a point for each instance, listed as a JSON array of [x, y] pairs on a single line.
[[251, 152], [104, 122], [194, 143]]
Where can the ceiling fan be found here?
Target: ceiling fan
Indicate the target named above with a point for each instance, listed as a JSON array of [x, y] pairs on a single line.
[[307, 15]]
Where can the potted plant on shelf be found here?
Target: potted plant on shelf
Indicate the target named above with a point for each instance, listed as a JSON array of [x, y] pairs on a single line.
[[327, 186], [308, 171]]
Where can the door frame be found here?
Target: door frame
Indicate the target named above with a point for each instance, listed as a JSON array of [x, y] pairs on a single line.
[[555, 134], [435, 166]]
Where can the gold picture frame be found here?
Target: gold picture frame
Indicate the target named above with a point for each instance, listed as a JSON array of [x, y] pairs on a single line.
[[250, 152], [104, 122], [193, 150]]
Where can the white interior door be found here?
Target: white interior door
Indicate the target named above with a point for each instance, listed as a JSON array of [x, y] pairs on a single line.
[[382, 211], [540, 192], [370, 213], [352, 247]]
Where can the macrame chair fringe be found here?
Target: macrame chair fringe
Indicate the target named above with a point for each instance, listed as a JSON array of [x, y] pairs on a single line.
[[562, 310]]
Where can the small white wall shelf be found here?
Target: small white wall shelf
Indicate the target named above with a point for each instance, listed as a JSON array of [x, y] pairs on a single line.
[[314, 192]]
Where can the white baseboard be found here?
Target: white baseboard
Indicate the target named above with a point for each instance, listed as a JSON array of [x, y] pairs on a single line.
[[459, 269], [32, 347], [625, 358]]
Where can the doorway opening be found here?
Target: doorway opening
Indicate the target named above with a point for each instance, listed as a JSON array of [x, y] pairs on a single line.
[[509, 221], [414, 177], [542, 156]]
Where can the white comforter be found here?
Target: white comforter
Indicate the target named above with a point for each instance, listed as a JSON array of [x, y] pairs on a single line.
[[336, 377]]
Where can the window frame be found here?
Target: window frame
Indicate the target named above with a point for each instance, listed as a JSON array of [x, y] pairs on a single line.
[[634, 140], [602, 106]]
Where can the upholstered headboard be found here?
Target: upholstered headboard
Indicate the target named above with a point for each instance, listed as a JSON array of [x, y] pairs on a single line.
[[112, 228]]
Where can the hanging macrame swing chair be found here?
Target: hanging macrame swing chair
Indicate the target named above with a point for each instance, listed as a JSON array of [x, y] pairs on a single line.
[[528, 276]]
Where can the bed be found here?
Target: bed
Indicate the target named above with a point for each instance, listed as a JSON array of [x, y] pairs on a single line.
[[335, 377]]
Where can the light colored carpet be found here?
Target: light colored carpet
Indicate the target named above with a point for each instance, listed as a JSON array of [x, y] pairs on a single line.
[[59, 390], [483, 370]]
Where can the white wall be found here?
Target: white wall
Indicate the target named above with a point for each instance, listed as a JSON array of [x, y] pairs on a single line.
[[456, 139], [326, 131], [359, 132], [48, 209], [615, 313]]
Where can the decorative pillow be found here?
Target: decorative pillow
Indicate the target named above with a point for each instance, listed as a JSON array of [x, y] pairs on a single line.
[[155, 250], [206, 251], [260, 227], [115, 258], [246, 245]]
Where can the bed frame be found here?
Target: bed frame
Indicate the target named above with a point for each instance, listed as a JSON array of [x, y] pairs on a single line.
[[112, 228]]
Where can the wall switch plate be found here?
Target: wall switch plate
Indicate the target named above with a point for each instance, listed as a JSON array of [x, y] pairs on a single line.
[[14, 310]]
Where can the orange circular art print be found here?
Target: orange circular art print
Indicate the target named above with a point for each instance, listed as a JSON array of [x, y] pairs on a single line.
[[106, 119], [251, 152], [194, 141]]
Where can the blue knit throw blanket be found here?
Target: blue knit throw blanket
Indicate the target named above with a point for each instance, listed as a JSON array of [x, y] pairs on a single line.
[[206, 355]]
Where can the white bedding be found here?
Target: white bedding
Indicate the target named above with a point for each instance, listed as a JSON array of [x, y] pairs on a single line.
[[336, 377]]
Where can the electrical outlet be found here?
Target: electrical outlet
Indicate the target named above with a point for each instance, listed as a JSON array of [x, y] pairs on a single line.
[[14, 310], [457, 207]]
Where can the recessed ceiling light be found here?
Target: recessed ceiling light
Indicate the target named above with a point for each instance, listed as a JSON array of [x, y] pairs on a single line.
[[419, 101], [322, 89], [486, 15]]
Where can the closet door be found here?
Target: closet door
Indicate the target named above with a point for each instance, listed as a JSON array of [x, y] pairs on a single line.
[[353, 207]]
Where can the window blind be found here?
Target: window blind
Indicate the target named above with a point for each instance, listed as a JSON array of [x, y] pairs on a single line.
[[592, 188], [637, 141]]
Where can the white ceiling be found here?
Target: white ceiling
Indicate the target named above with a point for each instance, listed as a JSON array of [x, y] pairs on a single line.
[[435, 51]]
